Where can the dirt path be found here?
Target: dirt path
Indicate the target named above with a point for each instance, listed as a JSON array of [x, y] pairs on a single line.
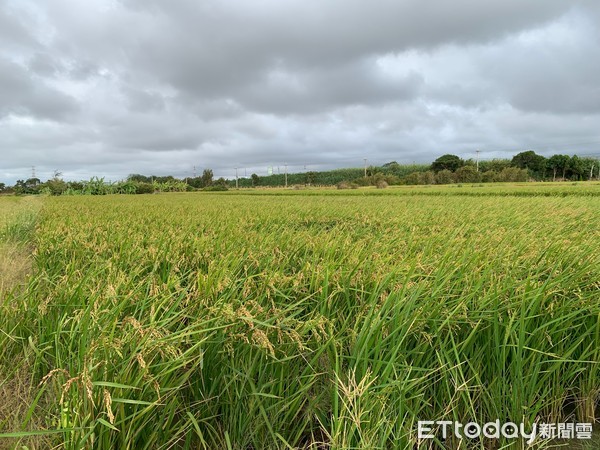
[[18, 216], [17, 219]]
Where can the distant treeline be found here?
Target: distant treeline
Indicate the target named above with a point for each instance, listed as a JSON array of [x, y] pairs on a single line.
[[330, 177], [447, 169]]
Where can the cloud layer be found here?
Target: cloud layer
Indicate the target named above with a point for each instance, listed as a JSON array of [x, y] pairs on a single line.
[[110, 88]]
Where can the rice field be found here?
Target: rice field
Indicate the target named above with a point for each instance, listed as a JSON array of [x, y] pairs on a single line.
[[305, 319]]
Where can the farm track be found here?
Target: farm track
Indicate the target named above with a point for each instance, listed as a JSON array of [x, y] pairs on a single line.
[[17, 386]]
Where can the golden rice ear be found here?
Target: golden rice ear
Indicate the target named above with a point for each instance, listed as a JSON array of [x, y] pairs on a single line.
[[108, 406]]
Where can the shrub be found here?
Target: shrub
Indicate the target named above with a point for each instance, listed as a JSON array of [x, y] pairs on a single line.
[[420, 178], [513, 174], [56, 186], [216, 188], [427, 177], [467, 174], [75, 185], [144, 188], [444, 177], [489, 177]]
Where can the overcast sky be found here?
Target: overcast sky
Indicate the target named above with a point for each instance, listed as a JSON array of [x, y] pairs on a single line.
[[113, 87]]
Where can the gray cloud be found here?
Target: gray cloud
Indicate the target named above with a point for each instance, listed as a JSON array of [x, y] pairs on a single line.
[[111, 88], [24, 95], [13, 32]]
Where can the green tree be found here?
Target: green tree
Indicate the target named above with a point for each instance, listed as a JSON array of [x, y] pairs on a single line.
[[139, 178], [558, 163], [392, 165], [255, 179], [589, 165], [29, 186], [531, 161], [447, 162], [576, 168], [32, 183], [309, 177], [207, 178], [497, 165], [165, 179]]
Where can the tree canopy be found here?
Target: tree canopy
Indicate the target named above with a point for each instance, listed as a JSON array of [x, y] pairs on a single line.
[[447, 162]]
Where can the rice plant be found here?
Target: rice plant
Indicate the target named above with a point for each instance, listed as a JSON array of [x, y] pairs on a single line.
[[278, 320]]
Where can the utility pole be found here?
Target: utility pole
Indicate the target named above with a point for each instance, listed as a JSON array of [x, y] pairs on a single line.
[[592, 172], [477, 160], [236, 178], [285, 174], [194, 171], [365, 167]]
